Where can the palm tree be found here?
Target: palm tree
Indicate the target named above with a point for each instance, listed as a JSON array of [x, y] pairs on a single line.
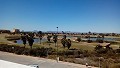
[[24, 39], [40, 35], [89, 32], [68, 43], [48, 38], [30, 41], [63, 41]]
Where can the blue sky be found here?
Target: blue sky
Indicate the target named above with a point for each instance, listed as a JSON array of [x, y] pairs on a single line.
[[68, 15]]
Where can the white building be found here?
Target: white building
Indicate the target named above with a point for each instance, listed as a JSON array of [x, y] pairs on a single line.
[[16, 30]]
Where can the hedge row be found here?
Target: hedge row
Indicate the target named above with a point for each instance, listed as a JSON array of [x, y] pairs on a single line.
[[42, 52], [39, 52]]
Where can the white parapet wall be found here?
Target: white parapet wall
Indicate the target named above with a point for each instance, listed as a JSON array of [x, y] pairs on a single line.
[[7, 64]]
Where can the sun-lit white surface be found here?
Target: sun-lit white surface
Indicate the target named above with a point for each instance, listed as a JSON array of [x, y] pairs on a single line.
[[7, 64]]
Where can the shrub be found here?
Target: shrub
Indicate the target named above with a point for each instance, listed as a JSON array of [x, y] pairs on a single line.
[[89, 41], [117, 50], [78, 39], [99, 41], [40, 52]]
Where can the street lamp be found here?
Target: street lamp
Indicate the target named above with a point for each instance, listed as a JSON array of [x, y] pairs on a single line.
[[57, 46]]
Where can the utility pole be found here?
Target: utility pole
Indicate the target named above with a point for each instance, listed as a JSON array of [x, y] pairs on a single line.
[[57, 46]]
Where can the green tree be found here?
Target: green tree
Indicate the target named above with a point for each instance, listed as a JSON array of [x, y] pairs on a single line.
[[24, 39], [63, 41]]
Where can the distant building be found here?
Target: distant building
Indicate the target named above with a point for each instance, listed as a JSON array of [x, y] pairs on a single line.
[[16, 30]]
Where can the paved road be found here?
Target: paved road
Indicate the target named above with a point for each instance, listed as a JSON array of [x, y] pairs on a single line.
[[7, 64], [42, 62]]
